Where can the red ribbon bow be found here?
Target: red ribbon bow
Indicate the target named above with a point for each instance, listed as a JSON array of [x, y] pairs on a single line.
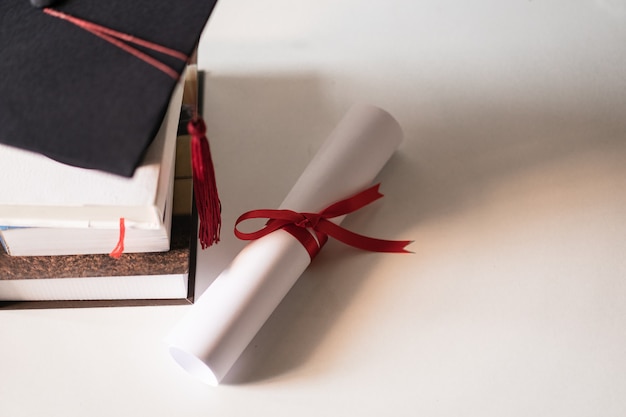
[[297, 224]]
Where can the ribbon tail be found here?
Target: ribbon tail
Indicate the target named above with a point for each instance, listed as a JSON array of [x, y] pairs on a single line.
[[362, 242]]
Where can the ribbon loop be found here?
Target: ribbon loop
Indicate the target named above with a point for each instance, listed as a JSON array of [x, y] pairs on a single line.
[[303, 225]]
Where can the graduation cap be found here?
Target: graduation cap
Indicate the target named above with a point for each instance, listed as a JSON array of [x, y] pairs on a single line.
[[88, 82]]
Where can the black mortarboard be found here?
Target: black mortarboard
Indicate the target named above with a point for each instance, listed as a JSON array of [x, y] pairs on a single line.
[[67, 93]]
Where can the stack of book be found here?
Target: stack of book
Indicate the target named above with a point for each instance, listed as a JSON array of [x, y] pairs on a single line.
[[60, 224]]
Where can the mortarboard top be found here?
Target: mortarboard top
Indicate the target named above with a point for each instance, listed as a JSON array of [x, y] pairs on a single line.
[[68, 94]]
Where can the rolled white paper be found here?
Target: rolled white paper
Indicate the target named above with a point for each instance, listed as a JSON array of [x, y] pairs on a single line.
[[223, 321]]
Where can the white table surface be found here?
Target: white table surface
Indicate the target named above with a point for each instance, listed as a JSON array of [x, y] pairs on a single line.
[[511, 181]]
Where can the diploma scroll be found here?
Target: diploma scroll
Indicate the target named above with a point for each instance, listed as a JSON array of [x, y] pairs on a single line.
[[223, 321]]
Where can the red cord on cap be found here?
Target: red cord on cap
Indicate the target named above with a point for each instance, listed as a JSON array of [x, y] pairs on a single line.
[[122, 40]]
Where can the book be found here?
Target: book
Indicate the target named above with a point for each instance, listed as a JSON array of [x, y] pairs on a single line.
[[50, 208], [99, 280], [135, 279]]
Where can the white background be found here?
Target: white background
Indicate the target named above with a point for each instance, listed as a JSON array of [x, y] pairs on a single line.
[[511, 182]]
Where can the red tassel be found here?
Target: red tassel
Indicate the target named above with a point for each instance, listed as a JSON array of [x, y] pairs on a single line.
[[204, 186]]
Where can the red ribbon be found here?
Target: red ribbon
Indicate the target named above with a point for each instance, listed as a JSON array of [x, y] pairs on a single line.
[[299, 224], [119, 248]]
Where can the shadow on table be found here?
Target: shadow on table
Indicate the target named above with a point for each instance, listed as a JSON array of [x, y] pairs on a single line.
[[448, 162]]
